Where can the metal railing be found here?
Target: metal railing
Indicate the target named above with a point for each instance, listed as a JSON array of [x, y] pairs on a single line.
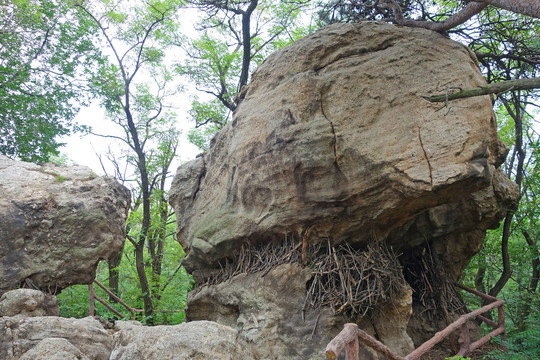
[[348, 339], [92, 296]]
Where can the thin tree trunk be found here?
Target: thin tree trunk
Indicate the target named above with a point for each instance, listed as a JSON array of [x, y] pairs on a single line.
[[507, 271], [246, 40], [145, 289], [145, 225], [525, 306], [114, 274], [535, 262], [517, 116]]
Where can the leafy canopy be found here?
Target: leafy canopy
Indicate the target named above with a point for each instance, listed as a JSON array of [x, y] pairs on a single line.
[[46, 49]]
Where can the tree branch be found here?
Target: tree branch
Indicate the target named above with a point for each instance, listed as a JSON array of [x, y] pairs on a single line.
[[523, 7], [493, 88], [462, 16]]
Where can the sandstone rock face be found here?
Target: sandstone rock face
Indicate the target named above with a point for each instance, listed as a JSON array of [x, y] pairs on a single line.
[[202, 340], [270, 314], [20, 335], [54, 349], [28, 302], [333, 141], [57, 224], [55, 338], [333, 133]]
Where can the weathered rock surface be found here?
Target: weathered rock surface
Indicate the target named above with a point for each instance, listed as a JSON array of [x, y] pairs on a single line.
[[202, 340], [20, 335], [57, 224], [54, 349], [333, 135], [55, 338], [273, 321], [333, 132], [28, 303]]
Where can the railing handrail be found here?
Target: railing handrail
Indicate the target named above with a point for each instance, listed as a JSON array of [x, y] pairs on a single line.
[[348, 338], [92, 296]]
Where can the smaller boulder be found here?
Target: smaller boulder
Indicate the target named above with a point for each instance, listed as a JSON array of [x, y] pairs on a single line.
[[203, 340], [28, 302], [20, 337], [58, 222], [54, 349]]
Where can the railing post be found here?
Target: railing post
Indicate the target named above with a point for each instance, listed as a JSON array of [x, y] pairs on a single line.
[[350, 335], [343, 340], [464, 340], [352, 349], [500, 321], [91, 299]]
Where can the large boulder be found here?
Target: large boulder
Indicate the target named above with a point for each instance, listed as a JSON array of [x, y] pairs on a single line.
[[333, 133], [54, 349], [333, 142], [57, 223]]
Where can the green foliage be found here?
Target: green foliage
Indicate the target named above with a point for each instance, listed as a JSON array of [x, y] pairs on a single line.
[[61, 159], [217, 60], [47, 48], [458, 358], [202, 136], [521, 345], [74, 302], [520, 293]]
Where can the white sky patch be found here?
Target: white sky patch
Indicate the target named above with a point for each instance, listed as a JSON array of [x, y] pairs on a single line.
[[87, 149]]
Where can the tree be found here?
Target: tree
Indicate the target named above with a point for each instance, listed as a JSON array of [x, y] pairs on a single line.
[[46, 51], [437, 16], [235, 36], [137, 35]]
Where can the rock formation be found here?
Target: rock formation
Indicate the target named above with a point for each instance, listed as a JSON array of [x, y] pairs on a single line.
[[333, 143], [54, 338], [57, 224], [194, 340], [28, 303]]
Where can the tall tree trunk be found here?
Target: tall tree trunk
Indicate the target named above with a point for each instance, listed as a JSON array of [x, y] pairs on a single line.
[[507, 271], [525, 308], [145, 288], [517, 115], [114, 274], [246, 43], [145, 225], [535, 262]]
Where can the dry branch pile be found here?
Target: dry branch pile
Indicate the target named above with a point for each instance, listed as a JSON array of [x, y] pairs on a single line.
[[352, 282], [253, 259], [431, 287]]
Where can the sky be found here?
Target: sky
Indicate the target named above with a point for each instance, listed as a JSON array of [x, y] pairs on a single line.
[[84, 150]]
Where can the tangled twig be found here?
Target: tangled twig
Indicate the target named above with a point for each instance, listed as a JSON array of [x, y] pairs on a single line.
[[353, 282], [349, 280]]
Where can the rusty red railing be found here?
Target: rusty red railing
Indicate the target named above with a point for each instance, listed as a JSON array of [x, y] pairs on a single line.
[[92, 296], [348, 339]]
